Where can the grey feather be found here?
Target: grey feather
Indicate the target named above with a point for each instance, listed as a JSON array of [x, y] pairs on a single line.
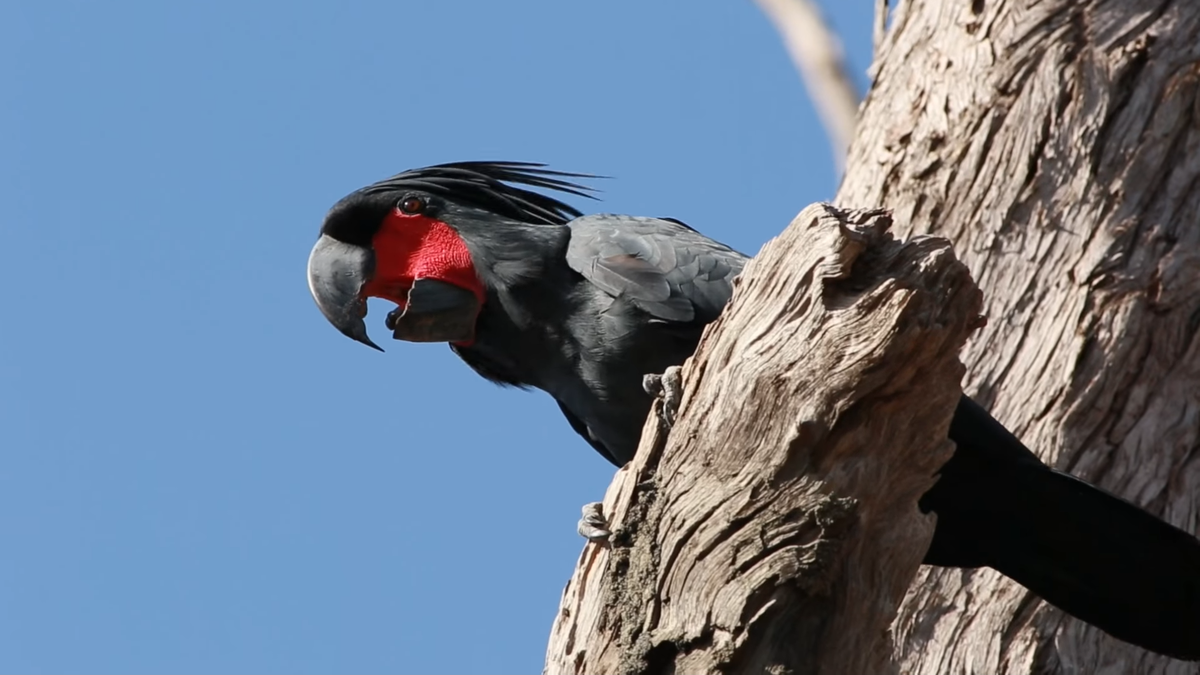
[[662, 267]]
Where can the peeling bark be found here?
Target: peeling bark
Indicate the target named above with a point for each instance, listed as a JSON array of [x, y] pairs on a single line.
[[770, 531], [1057, 144]]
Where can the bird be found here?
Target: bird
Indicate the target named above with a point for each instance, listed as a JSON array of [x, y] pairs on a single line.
[[532, 293]]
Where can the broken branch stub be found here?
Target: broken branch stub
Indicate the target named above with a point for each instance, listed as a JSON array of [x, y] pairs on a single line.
[[776, 529]]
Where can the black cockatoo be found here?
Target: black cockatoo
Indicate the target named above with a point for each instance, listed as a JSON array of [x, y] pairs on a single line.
[[531, 293]]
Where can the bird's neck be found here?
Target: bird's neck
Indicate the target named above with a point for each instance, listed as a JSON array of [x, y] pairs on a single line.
[[520, 330]]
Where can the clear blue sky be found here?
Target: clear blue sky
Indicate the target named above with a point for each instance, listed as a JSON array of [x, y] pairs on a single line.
[[198, 474]]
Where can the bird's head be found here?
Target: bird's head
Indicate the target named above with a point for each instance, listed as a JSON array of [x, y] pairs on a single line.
[[420, 239]]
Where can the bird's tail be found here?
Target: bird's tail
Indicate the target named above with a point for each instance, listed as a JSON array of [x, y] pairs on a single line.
[[1083, 550]]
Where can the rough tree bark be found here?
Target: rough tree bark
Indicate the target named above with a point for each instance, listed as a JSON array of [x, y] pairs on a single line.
[[771, 531], [1057, 144]]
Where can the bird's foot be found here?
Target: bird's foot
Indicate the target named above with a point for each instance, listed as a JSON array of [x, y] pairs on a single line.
[[593, 526], [669, 388]]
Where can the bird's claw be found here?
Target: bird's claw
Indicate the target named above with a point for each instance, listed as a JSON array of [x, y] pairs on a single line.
[[669, 388], [593, 526]]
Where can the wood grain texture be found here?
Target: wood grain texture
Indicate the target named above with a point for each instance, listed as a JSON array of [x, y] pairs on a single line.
[[1057, 144], [775, 528]]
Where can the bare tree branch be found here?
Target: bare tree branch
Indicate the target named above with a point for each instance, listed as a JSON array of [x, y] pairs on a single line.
[[817, 53], [879, 29]]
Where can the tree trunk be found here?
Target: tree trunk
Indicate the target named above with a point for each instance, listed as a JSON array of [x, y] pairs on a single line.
[[1057, 144], [771, 531]]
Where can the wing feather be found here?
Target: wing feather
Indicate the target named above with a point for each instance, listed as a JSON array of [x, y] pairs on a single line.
[[662, 267]]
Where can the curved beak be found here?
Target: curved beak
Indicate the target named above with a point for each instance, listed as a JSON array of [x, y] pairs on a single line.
[[336, 274]]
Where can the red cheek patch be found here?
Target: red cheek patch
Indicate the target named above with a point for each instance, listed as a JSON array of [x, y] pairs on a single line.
[[414, 247]]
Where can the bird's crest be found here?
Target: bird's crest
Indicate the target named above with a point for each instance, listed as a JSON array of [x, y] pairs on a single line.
[[493, 186]]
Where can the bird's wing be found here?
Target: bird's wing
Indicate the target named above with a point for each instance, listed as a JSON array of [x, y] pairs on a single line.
[[663, 267]]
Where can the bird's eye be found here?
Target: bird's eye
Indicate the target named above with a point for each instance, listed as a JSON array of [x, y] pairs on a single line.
[[411, 205]]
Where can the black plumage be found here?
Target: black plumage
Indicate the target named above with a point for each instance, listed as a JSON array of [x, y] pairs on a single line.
[[582, 307]]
